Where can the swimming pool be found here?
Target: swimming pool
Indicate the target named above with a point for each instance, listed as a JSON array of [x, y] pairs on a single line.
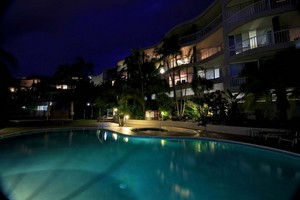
[[99, 164]]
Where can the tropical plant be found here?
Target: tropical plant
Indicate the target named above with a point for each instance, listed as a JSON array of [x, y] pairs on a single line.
[[141, 83], [218, 106], [234, 113], [165, 104], [277, 76], [201, 87]]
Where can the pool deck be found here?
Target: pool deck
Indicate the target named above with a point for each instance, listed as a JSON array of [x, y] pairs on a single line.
[[173, 130]]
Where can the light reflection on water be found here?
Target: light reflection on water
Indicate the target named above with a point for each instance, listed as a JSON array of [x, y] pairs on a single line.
[[84, 164]]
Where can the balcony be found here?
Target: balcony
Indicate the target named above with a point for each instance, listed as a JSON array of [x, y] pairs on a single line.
[[268, 39], [251, 11], [208, 52], [202, 33], [236, 81]]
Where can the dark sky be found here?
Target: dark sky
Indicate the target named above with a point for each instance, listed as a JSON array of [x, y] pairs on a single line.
[[43, 34]]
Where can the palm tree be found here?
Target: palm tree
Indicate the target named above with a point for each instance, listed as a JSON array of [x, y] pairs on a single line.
[[143, 80], [169, 51], [135, 79]]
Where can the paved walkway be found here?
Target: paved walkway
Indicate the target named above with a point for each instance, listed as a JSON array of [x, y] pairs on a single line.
[[167, 130]]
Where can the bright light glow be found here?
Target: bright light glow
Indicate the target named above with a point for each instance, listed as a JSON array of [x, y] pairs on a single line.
[[12, 89], [198, 148], [147, 114], [105, 135], [126, 139], [88, 104], [126, 116], [161, 70], [115, 136], [163, 142], [183, 192], [212, 146]]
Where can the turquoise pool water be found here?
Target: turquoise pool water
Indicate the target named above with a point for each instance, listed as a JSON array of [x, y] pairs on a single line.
[[98, 164]]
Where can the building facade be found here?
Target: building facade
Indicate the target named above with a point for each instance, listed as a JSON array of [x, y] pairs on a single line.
[[219, 42]]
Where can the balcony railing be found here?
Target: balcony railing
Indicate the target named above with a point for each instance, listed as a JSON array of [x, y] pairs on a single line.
[[203, 32], [259, 7], [236, 81], [270, 38], [201, 54], [208, 52]]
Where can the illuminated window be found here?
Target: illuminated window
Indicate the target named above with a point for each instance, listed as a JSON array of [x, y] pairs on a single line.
[[209, 73], [62, 87], [42, 108]]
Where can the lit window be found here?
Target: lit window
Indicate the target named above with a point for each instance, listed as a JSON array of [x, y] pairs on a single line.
[[217, 73], [42, 108], [209, 74]]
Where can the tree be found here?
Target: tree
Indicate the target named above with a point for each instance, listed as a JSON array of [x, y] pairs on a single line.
[[274, 76], [165, 104], [7, 61], [142, 81], [218, 106], [80, 90], [82, 69], [169, 51], [234, 115], [200, 87]]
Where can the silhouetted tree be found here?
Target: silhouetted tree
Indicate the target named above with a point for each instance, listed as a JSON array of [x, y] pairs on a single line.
[[200, 86], [169, 52], [275, 76], [81, 90], [7, 61]]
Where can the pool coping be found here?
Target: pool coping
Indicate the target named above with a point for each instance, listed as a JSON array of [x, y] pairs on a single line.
[[125, 130]]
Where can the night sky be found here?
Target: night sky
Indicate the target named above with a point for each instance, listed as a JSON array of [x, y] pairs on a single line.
[[43, 34]]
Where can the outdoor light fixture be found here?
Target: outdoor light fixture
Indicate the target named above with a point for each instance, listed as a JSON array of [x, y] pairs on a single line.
[[161, 70], [115, 110]]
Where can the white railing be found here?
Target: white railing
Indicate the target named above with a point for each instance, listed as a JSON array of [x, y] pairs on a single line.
[[252, 10], [270, 38], [200, 34], [237, 81], [208, 52]]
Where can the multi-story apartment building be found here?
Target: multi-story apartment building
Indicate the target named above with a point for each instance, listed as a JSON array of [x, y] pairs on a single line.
[[228, 34]]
